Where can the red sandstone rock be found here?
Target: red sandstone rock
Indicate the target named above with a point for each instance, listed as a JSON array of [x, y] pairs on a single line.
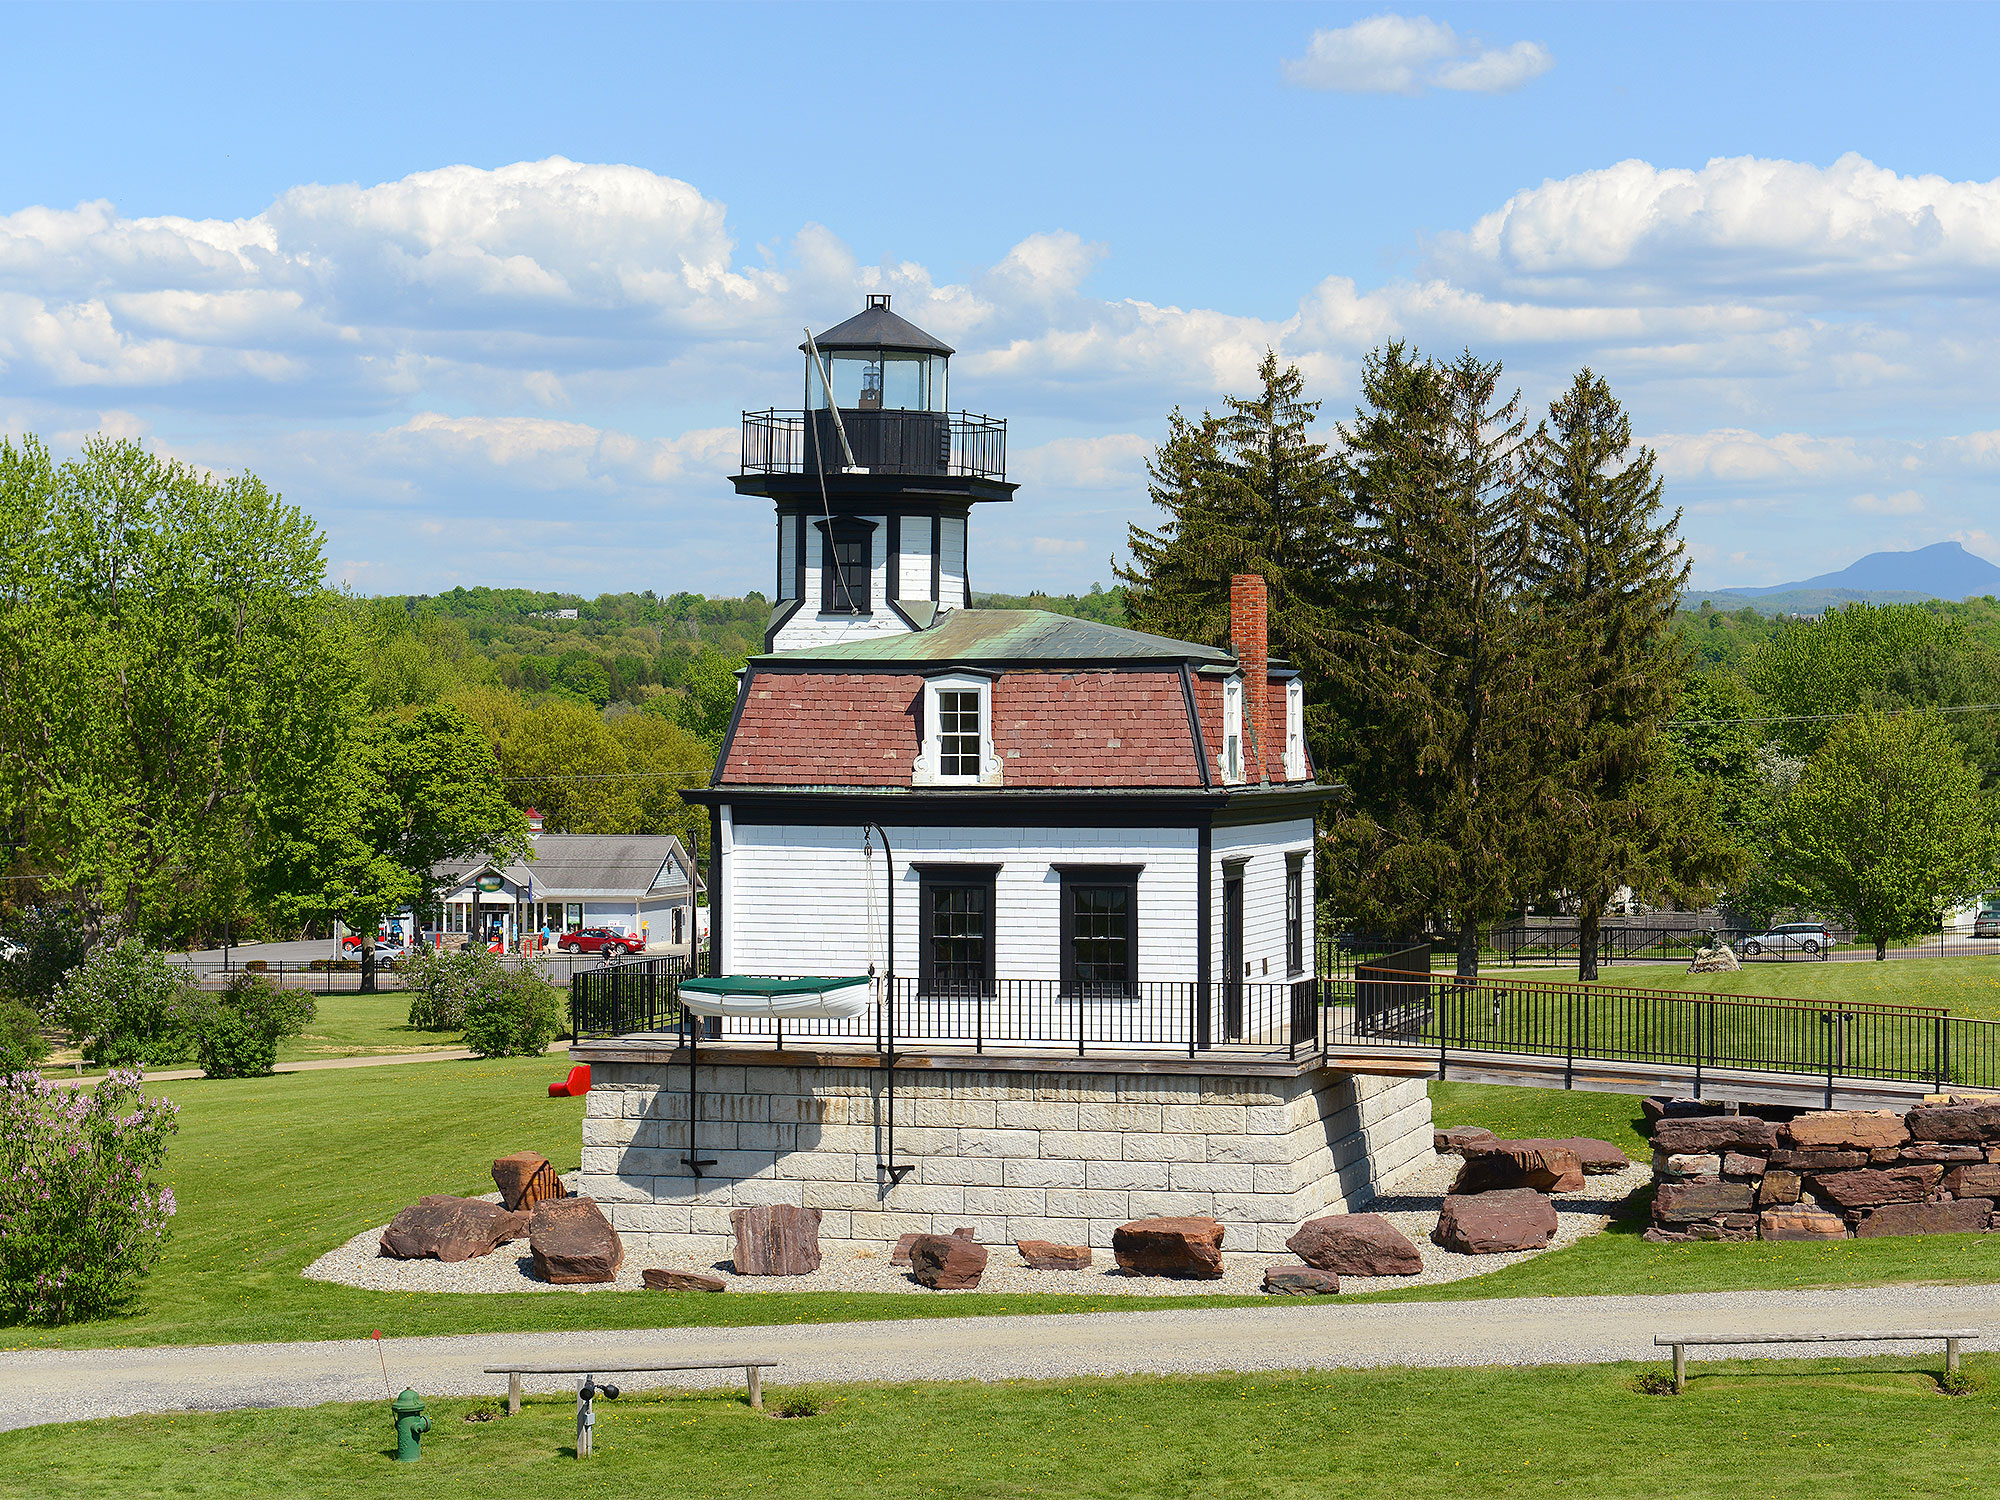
[[779, 1240], [1818, 1161], [1690, 1202], [682, 1281], [900, 1255], [1973, 1123], [1965, 1216], [1705, 1134], [1355, 1245], [1300, 1281], [573, 1243], [1800, 1222], [1494, 1223], [525, 1179], [1454, 1139], [1043, 1255], [1873, 1185], [1519, 1164], [1845, 1129], [441, 1227], [1190, 1246], [1973, 1182], [1735, 1164], [947, 1262], [1778, 1187]]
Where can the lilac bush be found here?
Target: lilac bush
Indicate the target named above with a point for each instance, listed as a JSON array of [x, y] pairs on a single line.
[[81, 1218]]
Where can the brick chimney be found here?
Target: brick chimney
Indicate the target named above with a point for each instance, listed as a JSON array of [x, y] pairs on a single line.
[[1250, 638]]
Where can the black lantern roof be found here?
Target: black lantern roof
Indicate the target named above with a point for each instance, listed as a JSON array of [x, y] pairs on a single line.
[[875, 327]]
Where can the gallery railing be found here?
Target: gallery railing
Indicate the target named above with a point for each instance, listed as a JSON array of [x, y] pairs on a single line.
[[1388, 1004]]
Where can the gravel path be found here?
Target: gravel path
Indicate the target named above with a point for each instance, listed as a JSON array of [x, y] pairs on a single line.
[[1412, 1208], [66, 1386]]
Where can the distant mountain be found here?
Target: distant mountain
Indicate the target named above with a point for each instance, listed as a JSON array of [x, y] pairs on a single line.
[[1943, 570], [1798, 601]]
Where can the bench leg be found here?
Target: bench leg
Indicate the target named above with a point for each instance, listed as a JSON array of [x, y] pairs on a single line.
[[1680, 1368], [1951, 1356], [754, 1379], [514, 1394]]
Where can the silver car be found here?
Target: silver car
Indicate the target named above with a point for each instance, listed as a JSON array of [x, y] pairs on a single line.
[[1987, 923], [1794, 937]]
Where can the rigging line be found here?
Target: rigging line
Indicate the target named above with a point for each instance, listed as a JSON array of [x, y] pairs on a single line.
[[1956, 708], [819, 464]]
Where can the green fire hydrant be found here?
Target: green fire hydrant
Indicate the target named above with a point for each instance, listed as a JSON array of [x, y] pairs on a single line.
[[411, 1425]]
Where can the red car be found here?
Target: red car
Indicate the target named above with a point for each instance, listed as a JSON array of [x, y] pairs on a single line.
[[598, 940]]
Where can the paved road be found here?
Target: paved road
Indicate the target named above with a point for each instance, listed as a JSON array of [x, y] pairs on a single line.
[[49, 1387]]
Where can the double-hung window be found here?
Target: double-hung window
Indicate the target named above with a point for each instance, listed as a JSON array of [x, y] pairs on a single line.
[[845, 557], [1100, 929], [958, 732], [956, 912], [1295, 913]]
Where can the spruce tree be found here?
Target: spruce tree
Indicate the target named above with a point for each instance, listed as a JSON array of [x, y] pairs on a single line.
[[1433, 660], [1608, 569]]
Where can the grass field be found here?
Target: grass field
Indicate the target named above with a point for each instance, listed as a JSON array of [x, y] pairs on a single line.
[[1964, 986], [344, 1026], [1847, 1431], [272, 1172]]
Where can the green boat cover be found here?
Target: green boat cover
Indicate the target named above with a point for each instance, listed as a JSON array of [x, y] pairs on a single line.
[[751, 984]]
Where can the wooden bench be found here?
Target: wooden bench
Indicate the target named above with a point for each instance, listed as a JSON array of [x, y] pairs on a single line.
[[1681, 1344], [753, 1375]]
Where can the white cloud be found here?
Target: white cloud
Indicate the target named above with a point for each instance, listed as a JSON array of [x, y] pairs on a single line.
[[1116, 460], [1902, 503], [1391, 54]]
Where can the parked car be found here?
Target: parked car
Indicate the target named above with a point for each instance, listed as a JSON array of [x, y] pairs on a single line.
[[1795, 937], [1987, 923], [600, 940], [351, 944]]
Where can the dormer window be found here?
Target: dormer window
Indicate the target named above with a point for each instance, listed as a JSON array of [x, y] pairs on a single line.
[[1232, 730], [958, 732], [1295, 730]]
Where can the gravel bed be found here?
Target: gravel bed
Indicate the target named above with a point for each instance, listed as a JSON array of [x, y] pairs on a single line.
[[1411, 1205]]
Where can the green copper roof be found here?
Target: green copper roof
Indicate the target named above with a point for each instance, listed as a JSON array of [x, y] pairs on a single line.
[[1008, 635]]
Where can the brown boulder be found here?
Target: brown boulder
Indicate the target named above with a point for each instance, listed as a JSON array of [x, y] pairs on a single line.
[[1355, 1245], [1494, 1223], [947, 1262], [1736, 1165], [1970, 1123], [441, 1227], [900, 1255], [1687, 1202], [682, 1281], [1800, 1222], [1965, 1216], [1819, 1161], [573, 1243], [1043, 1255], [776, 1240], [1190, 1246], [1973, 1182], [1300, 1281], [1778, 1186], [1453, 1139], [1597, 1158], [1845, 1130], [1519, 1164], [1705, 1134], [1864, 1189], [525, 1179]]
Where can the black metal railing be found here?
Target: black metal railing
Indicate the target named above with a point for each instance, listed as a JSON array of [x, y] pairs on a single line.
[[1394, 1002], [937, 443]]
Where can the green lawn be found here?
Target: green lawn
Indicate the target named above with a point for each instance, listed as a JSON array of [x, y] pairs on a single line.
[[1964, 986], [343, 1026], [272, 1172], [1857, 1430]]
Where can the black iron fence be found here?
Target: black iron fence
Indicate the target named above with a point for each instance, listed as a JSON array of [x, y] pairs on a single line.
[[960, 444], [1391, 1001]]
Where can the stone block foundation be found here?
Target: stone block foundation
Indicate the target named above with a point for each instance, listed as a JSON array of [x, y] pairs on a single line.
[[1054, 1155]]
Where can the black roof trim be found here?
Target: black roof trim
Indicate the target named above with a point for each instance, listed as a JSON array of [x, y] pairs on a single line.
[[878, 328]]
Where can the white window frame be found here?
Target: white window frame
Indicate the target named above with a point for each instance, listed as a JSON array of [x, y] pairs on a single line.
[[1295, 730], [1232, 731], [929, 757]]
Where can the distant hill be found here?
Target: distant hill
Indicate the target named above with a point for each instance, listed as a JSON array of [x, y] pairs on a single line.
[[1944, 570], [1798, 601]]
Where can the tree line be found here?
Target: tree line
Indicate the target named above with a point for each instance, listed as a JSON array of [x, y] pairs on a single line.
[[1484, 602]]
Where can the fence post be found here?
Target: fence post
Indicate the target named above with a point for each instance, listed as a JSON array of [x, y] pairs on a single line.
[[1699, 1007], [1569, 1040], [1943, 1052], [1194, 1004], [1826, 1020]]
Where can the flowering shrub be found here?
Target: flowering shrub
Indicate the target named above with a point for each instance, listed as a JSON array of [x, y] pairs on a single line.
[[237, 1029], [129, 1004], [517, 1017], [21, 1044], [80, 1216], [442, 985]]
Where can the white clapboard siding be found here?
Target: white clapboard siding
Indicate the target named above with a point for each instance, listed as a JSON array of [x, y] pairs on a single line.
[[951, 581], [788, 557], [798, 897], [1263, 893], [916, 565], [811, 628]]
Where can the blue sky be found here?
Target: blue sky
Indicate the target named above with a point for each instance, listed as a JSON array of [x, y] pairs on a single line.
[[486, 287]]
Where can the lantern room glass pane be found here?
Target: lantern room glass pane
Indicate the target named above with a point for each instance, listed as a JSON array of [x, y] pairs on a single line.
[[878, 380]]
